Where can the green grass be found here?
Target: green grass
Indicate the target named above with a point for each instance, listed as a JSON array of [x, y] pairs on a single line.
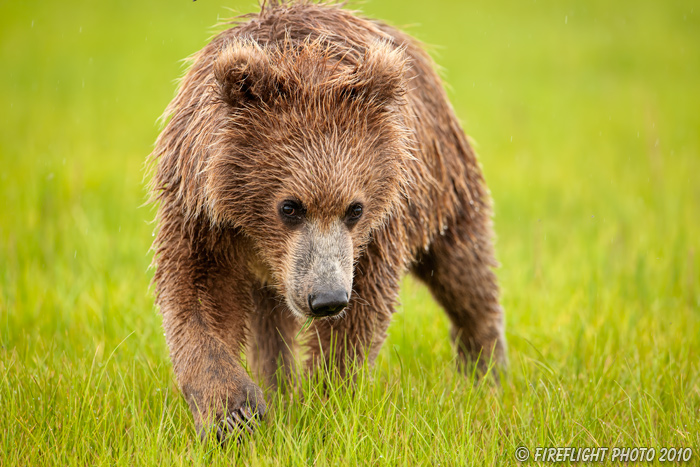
[[586, 119]]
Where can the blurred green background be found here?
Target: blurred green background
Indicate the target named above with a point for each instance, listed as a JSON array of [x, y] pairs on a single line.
[[585, 115]]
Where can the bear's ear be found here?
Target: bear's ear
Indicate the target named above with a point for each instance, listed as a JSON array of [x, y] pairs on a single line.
[[245, 74], [380, 75]]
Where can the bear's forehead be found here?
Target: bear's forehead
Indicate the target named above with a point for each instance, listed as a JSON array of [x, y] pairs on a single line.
[[319, 148], [327, 183], [325, 177]]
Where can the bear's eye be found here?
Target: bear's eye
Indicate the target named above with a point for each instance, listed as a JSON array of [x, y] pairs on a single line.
[[354, 213], [291, 211], [288, 210]]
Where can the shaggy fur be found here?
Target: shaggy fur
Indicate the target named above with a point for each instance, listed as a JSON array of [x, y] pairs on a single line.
[[315, 104]]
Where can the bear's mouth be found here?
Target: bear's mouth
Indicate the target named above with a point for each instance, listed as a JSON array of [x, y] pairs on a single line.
[[298, 311]]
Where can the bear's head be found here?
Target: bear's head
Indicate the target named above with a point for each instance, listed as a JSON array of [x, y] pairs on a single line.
[[304, 149]]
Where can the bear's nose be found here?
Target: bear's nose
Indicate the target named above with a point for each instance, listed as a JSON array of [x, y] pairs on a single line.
[[328, 303]]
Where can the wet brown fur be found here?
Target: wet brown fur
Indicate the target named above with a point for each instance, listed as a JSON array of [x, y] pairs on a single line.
[[318, 103]]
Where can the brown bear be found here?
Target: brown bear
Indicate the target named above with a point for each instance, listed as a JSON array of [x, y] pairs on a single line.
[[309, 160]]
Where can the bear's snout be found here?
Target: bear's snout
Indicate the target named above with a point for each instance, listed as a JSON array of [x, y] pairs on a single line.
[[328, 302], [320, 282]]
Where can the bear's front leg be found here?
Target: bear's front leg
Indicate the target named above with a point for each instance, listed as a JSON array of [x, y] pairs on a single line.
[[217, 388], [204, 299]]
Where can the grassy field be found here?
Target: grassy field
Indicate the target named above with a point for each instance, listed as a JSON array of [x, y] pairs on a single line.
[[586, 118]]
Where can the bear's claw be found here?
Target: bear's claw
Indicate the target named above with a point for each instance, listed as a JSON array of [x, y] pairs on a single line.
[[238, 424]]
